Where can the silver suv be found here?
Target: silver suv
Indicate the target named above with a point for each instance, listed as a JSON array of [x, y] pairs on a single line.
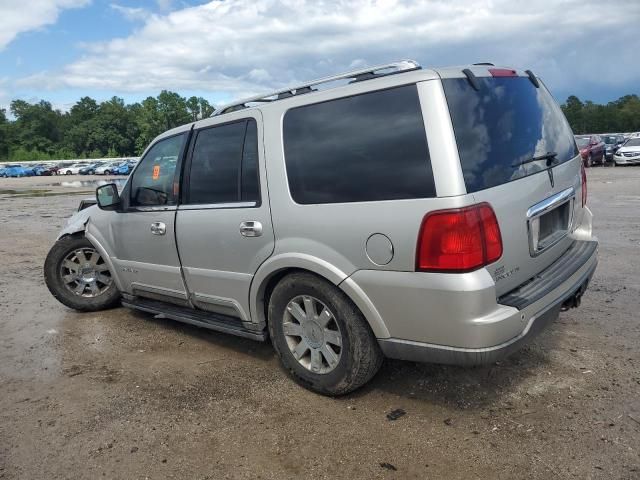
[[432, 215]]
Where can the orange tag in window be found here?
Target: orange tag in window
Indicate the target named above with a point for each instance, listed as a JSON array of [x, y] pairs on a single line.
[[156, 172]]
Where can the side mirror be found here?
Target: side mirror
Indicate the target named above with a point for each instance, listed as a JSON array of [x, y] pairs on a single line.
[[108, 197]]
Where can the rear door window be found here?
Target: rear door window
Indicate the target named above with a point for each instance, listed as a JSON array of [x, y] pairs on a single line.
[[506, 122], [224, 165], [362, 148]]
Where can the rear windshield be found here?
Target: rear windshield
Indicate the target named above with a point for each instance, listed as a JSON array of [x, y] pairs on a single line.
[[506, 122]]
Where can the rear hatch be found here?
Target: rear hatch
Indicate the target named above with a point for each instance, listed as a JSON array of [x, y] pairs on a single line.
[[517, 153]]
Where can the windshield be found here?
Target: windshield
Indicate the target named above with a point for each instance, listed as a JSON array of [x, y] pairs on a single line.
[[582, 142], [634, 142], [506, 122], [609, 140]]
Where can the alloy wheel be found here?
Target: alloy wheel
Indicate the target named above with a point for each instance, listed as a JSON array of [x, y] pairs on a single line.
[[312, 334], [84, 272]]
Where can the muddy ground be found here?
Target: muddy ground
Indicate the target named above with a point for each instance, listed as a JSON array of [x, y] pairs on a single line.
[[121, 395]]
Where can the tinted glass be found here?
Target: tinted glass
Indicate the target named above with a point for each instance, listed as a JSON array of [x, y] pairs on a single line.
[[362, 148], [505, 122], [152, 182], [609, 140], [250, 181], [215, 165], [634, 142]]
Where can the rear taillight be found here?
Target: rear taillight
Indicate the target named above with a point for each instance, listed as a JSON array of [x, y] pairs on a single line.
[[583, 173], [458, 240]]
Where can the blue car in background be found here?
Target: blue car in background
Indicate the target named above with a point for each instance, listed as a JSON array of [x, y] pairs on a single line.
[[16, 171], [124, 168]]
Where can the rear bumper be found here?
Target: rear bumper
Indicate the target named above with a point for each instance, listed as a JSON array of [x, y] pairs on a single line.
[[460, 327]]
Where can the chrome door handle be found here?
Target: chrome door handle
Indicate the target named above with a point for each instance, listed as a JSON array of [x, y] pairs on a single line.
[[158, 228], [251, 229]]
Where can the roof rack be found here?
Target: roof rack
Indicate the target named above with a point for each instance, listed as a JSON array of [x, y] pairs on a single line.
[[355, 76]]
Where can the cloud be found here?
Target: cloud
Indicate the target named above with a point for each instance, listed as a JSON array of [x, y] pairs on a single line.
[[247, 46], [131, 13], [19, 16]]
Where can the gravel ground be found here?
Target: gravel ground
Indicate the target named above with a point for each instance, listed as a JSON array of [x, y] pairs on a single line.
[[120, 395]]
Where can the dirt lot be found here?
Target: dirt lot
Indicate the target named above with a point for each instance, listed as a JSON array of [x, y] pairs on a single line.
[[121, 395]]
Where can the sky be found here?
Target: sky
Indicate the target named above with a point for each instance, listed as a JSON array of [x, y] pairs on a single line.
[[61, 50]]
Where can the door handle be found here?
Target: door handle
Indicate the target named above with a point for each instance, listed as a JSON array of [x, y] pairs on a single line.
[[251, 228], [158, 228]]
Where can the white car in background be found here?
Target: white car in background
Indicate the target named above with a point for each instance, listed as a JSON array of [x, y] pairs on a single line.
[[628, 153], [72, 169], [106, 169]]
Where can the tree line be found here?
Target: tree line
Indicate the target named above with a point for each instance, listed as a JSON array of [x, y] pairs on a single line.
[[90, 129], [112, 128], [619, 116]]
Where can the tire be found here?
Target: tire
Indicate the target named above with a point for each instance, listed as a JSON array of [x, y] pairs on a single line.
[[108, 296], [359, 356], [68, 172], [107, 172]]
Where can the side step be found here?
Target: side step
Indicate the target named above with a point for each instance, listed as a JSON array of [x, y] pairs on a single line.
[[212, 321]]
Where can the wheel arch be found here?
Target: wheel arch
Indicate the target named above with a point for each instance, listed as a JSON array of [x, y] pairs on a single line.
[[276, 268]]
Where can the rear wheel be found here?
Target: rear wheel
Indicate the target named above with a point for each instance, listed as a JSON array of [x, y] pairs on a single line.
[[321, 337], [77, 275], [107, 172]]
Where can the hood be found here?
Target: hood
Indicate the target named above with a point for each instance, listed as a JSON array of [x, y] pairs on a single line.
[[634, 148]]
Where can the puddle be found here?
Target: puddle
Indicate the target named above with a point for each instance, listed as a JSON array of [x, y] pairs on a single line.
[[90, 183], [5, 191], [33, 193]]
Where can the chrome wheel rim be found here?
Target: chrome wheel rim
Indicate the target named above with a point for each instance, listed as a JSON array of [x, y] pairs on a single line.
[[84, 273], [312, 334]]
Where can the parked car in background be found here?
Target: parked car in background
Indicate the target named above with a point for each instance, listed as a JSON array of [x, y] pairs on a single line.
[[591, 149], [124, 168], [611, 145], [91, 168], [72, 169], [106, 169], [458, 250], [17, 171], [44, 170], [629, 153]]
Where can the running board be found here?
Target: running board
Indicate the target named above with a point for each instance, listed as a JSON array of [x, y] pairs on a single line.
[[211, 321]]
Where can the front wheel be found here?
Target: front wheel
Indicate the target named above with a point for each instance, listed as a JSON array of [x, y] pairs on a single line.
[[322, 339], [78, 276]]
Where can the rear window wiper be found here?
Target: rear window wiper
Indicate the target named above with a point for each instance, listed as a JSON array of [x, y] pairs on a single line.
[[549, 157]]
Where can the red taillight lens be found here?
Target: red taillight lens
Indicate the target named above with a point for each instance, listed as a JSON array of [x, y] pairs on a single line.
[[459, 240], [583, 172]]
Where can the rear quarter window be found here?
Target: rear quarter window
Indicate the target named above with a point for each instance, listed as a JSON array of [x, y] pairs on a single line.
[[366, 147]]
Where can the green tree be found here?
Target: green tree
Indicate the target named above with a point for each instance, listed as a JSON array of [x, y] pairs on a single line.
[[4, 134]]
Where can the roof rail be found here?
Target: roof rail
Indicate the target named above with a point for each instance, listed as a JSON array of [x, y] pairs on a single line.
[[355, 75]]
